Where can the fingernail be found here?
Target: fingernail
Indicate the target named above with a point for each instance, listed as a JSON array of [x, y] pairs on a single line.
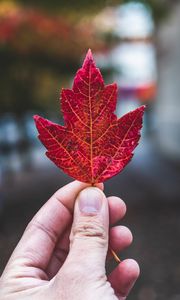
[[90, 200]]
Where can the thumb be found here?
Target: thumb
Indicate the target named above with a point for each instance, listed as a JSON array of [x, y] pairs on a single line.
[[89, 234]]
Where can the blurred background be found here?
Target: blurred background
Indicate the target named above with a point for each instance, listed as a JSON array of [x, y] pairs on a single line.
[[136, 44]]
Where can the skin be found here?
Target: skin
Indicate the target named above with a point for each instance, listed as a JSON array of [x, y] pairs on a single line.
[[63, 251]]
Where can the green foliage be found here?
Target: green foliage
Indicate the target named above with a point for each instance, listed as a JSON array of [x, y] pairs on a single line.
[[31, 82]]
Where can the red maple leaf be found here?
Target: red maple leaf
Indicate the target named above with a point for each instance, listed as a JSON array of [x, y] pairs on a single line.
[[93, 145]]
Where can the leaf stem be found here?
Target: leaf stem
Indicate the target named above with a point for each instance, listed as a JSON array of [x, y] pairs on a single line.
[[117, 259]]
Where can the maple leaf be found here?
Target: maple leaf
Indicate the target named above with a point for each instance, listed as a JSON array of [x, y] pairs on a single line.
[[94, 144]]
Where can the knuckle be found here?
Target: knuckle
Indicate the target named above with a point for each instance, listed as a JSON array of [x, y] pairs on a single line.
[[90, 227]]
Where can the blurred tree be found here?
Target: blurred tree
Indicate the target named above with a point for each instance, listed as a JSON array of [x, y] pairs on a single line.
[[37, 50], [40, 46], [160, 8]]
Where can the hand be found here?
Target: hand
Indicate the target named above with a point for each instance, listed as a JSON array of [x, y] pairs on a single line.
[[45, 265]]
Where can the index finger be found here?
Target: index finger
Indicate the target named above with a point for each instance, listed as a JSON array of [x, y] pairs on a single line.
[[42, 233]]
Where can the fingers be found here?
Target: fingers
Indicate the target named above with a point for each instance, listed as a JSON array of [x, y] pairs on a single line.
[[124, 277], [59, 254], [89, 235], [68, 194], [120, 237], [43, 232], [117, 209]]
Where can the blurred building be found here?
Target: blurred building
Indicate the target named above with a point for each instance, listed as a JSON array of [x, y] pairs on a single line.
[[133, 58], [168, 104]]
